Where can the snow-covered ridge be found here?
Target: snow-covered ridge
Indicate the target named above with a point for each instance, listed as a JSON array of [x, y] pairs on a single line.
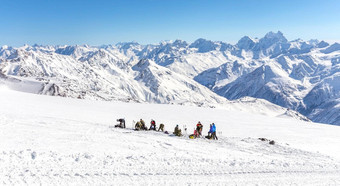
[[286, 73]]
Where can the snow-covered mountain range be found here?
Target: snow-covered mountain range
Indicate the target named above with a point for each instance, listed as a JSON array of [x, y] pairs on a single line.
[[299, 75]]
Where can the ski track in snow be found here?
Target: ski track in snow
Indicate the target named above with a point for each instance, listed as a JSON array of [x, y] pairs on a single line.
[[42, 147]]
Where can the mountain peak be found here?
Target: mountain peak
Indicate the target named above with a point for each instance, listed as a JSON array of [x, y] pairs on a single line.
[[127, 45], [313, 42], [4, 47], [332, 48], [204, 45], [278, 37], [322, 44], [246, 43], [142, 64], [199, 41], [272, 38], [272, 34], [180, 43]]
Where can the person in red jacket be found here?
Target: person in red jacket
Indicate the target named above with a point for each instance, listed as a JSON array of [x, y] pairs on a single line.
[[199, 128], [153, 125]]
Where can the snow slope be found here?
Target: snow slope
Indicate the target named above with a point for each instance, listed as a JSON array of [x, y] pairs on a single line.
[[105, 75], [62, 141]]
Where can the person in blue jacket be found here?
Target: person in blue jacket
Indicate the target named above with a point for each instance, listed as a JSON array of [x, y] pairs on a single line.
[[213, 132]]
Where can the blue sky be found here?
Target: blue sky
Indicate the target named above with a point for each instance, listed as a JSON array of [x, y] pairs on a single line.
[[97, 22]]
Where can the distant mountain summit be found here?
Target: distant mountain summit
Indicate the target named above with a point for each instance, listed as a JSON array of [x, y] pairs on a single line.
[[299, 75]]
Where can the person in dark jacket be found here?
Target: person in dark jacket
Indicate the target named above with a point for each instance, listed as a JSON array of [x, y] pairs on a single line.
[[210, 132], [138, 126], [161, 127], [143, 126], [177, 131], [121, 123]]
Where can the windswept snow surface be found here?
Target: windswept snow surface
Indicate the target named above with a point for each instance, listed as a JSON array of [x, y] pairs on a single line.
[[64, 141]]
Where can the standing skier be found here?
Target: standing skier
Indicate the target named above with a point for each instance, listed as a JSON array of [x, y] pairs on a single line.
[[213, 132]]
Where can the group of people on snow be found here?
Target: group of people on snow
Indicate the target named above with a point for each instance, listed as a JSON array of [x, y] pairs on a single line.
[[140, 125], [198, 132]]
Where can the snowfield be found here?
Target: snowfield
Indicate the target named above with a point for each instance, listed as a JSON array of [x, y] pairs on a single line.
[[62, 141]]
